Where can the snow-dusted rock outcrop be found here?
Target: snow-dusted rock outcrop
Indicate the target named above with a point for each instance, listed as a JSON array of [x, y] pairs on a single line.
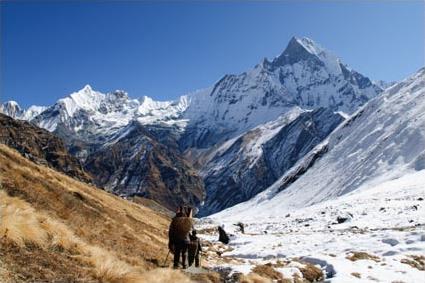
[[304, 75], [240, 116], [382, 141], [12, 109], [250, 163]]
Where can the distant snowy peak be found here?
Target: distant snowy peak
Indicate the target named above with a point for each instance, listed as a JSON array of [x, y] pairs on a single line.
[[382, 141], [86, 99], [305, 49], [33, 111], [304, 75], [12, 109], [91, 114]]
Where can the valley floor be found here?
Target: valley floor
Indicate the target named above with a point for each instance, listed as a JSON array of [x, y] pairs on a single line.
[[381, 240]]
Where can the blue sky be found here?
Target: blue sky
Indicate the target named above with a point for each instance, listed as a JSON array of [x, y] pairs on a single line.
[[165, 49]]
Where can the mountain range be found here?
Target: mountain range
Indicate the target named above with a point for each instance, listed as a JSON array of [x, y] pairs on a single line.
[[381, 142], [212, 148]]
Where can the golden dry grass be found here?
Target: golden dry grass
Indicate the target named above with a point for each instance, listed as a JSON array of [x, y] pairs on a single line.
[[356, 274], [354, 256], [70, 226], [254, 278], [312, 273], [267, 271], [415, 261]]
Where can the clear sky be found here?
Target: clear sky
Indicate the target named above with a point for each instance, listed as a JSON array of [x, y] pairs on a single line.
[[164, 49]]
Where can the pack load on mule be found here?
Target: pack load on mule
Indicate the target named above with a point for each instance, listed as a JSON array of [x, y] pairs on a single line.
[[179, 235]]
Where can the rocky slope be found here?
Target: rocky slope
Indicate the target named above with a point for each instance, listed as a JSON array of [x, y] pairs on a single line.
[[56, 229], [305, 75], [40, 146], [254, 161], [136, 164], [353, 205], [382, 141], [129, 145]]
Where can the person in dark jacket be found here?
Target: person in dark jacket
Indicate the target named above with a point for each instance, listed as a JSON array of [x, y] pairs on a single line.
[[222, 235], [178, 236], [194, 249], [179, 212]]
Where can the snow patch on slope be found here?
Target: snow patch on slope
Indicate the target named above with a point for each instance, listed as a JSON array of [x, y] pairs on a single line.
[[387, 221], [382, 141]]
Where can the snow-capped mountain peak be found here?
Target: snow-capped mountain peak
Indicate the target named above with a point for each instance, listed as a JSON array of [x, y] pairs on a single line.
[[305, 49], [12, 104], [33, 111], [383, 140], [304, 75], [12, 109], [86, 99]]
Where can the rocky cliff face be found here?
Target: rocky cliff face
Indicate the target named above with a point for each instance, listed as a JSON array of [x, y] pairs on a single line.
[[136, 164], [240, 117], [255, 160], [129, 145], [40, 146], [304, 75], [381, 143]]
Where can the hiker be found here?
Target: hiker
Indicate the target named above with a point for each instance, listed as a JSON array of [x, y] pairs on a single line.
[[194, 249], [241, 227], [223, 235], [178, 235], [179, 212]]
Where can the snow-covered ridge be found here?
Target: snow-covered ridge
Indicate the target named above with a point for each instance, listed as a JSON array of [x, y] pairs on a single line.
[[12, 109], [304, 75], [96, 112], [382, 141], [330, 60]]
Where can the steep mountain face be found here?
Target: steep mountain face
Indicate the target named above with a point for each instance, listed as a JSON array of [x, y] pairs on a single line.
[[89, 114], [88, 118], [255, 160], [382, 141], [136, 164], [12, 109], [40, 146], [304, 75], [238, 117], [105, 132]]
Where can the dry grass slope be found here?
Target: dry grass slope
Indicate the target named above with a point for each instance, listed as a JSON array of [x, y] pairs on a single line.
[[55, 228]]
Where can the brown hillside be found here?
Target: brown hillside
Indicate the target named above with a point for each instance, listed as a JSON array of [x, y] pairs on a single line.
[[139, 165], [40, 146], [55, 228]]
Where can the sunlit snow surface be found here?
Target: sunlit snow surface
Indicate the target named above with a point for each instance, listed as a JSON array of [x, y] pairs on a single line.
[[383, 140], [385, 214], [373, 170]]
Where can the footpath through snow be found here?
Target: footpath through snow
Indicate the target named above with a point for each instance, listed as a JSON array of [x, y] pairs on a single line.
[[380, 237]]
